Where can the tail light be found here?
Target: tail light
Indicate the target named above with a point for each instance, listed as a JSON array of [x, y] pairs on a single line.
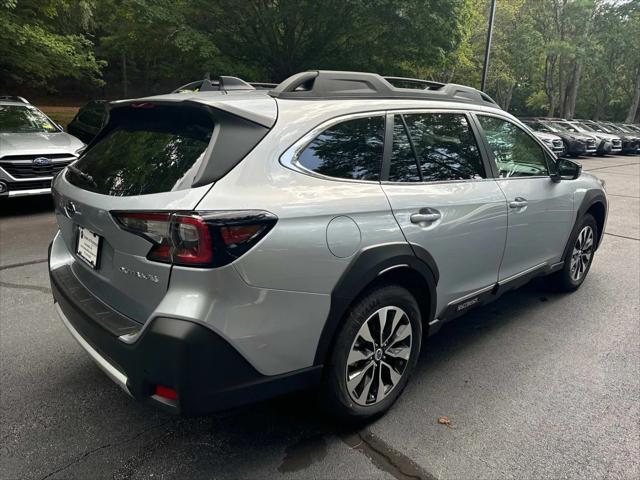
[[202, 239]]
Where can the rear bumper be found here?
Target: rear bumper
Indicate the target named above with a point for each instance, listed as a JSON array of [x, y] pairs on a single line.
[[205, 370]]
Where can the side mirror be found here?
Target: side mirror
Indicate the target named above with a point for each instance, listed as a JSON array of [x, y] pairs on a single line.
[[566, 170]]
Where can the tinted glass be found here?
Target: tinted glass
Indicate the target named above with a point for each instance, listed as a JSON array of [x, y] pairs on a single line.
[[351, 149], [515, 152], [444, 144], [146, 150], [24, 119]]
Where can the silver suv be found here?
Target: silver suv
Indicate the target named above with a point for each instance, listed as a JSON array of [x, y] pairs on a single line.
[[33, 149], [225, 246]]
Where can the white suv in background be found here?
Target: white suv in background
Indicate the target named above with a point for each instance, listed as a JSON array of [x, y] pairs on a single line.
[[33, 149]]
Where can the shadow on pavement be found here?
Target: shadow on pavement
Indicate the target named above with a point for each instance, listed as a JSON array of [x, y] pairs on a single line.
[[292, 434], [13, 207]]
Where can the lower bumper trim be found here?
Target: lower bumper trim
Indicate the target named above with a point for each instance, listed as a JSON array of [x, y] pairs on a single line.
[[112, 372], [25, 193]]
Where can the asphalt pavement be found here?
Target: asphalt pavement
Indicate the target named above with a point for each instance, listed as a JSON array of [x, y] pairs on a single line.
[[536, 385]]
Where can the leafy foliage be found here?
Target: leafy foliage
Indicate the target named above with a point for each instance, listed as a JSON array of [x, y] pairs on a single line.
[[557, 57], [37, 45]]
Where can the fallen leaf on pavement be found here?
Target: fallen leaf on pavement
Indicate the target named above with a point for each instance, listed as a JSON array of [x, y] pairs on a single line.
[[444, 421]]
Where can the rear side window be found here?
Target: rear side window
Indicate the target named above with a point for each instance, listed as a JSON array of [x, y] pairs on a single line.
[[146, 150], [351, 149], [430, 147]]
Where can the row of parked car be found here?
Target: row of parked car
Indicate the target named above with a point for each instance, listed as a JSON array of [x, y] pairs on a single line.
[[34, 148], [585, 137]]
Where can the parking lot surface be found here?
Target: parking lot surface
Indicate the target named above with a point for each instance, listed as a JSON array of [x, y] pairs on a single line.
[[535, 385]]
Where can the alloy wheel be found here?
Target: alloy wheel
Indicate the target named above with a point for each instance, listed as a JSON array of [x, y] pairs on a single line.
[[582, 253], [379, 355]]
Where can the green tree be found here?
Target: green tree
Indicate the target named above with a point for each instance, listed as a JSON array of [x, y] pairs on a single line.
[[42, 40], [282, 37]]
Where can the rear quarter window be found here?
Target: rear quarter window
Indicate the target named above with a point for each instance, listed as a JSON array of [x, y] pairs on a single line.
[[145, 150], [350, 150]]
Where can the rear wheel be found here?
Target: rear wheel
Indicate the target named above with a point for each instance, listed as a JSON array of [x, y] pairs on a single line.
[[579, 257], [374, 354]]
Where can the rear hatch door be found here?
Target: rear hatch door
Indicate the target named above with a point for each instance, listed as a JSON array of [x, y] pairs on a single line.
[[149, 158]]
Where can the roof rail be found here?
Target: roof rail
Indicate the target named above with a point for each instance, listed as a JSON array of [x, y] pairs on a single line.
[[13, 98], [428, 84], [327, 84], [224, 83]]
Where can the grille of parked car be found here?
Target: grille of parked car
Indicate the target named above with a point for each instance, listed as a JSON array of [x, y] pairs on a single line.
[[30, 185], [35, 166]]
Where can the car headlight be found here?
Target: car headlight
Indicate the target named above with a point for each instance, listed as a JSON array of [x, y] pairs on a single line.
[[80, 150]]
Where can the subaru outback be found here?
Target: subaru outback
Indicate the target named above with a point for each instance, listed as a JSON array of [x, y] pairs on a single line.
[[33, 149], [222, 247]]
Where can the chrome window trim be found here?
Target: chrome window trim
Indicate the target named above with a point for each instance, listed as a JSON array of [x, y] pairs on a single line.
[[289, 158]]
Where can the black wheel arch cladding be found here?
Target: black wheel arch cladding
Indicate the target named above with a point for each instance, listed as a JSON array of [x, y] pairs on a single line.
[[594, 202], [363, 271]]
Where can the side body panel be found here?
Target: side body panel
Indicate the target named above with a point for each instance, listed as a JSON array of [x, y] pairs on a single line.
[[538, 231], [468, 240]]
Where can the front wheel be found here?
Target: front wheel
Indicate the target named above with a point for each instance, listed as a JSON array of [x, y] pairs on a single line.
[[374, 354], [578, 258]]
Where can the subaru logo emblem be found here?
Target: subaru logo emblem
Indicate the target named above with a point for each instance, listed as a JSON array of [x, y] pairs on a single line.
[[42, 161], [70, 209]]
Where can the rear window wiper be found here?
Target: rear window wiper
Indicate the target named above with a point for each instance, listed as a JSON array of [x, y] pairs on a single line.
[[83, 175]]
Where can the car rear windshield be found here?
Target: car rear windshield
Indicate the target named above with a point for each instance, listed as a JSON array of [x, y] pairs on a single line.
[[145, 149], [24, 119]]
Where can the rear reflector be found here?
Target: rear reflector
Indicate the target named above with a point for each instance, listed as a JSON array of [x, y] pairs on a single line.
[[202, 239], [166, 392]]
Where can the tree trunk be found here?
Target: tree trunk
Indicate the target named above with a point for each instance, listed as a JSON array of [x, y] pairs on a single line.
[[572, 91], [563, 86], [549, 67], [124, 74], [509, 96], [634, 108]]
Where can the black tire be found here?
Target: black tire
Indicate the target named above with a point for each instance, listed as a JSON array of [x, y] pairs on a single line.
[[339, 400], [565, 280]]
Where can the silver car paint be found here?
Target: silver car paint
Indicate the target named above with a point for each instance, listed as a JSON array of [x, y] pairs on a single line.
[[35, 143], [271, 304], [132, 296], [538, 231]]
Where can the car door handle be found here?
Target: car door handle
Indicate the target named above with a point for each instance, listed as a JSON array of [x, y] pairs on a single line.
[[519, 202], [425, 217]]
